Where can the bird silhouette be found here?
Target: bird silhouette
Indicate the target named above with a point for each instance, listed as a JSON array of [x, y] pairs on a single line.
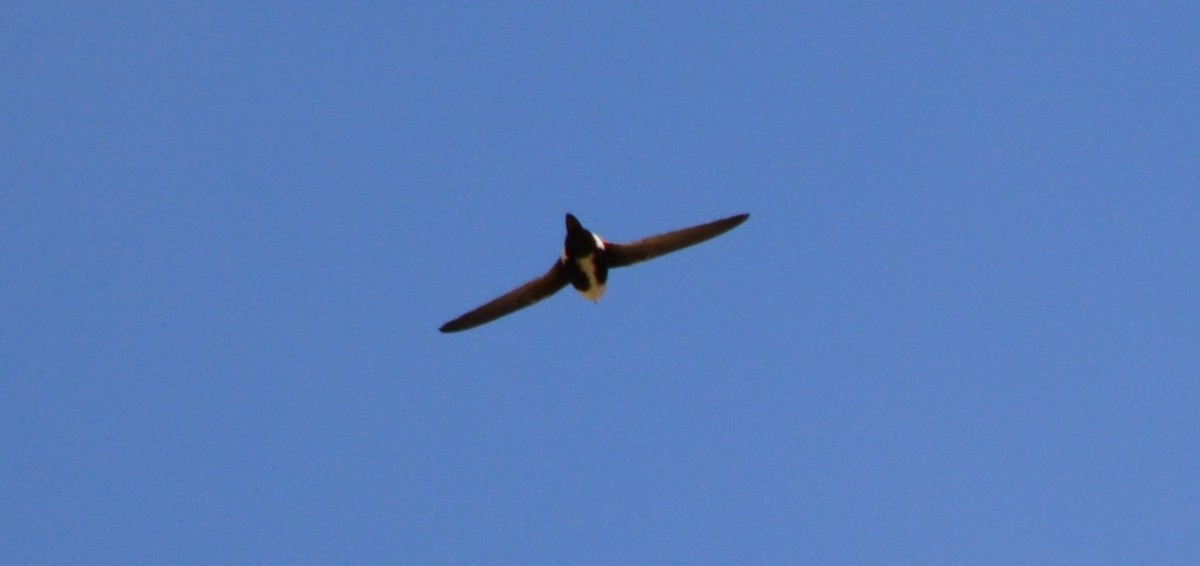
[[584, 264]]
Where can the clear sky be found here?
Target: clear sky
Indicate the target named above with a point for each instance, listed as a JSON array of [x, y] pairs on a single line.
[[961, 325]]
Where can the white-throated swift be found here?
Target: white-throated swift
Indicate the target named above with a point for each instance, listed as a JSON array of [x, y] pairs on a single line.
[[584, 263]]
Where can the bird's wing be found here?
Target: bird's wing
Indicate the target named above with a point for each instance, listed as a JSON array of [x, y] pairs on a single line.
[[620, 255], [512, 301]]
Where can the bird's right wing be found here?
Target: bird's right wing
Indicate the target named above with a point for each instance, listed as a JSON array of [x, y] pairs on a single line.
[[620, 255], [514, 300]]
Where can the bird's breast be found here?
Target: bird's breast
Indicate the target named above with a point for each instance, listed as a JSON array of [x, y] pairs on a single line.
[[590, 277]]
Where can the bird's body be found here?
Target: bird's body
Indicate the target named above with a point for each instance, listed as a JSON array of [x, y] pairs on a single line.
[[585, 258], [584, 264], [591, 281]]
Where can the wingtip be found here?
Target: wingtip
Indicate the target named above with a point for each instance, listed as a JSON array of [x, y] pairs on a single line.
[[737, 219]]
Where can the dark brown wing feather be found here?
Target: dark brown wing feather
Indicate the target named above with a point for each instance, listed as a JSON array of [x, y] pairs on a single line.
[[512, 301], [620, 255]]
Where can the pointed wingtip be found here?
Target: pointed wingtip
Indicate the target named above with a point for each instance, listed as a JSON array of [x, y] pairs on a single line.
[[735, 220]]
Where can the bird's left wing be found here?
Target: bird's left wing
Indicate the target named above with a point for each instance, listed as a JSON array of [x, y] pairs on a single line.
[[512, 301]]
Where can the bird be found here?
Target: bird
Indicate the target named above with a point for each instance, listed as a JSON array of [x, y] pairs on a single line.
[[584, 264]]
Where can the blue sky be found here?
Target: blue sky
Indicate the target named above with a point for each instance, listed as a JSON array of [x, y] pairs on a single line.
[[960, 326]]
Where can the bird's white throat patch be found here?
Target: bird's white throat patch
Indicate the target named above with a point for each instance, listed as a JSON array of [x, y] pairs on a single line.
[[587, 265]]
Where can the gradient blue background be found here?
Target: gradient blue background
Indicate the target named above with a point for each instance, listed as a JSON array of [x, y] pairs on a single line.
[[962, 324]]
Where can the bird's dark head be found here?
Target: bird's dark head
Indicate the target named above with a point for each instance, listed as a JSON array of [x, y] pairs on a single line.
[[580, 241], [573, 223]]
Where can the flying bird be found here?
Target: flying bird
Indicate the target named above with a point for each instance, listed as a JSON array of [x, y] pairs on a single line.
[[584, 263]]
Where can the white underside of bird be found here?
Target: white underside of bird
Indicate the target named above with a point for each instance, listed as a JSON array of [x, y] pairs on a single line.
[[587, 264]]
